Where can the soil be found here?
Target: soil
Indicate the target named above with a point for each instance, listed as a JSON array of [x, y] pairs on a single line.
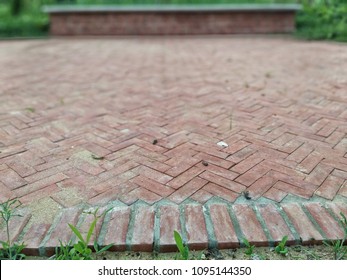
[[317, 252]]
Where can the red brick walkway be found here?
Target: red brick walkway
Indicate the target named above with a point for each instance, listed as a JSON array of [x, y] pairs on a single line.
[[134, 123]]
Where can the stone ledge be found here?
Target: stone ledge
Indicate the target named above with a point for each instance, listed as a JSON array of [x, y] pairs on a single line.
[[171, 8]]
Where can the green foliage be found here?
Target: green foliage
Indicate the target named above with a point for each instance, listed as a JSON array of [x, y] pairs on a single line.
[[325, 20], [339, 250], [10, 251], [16, 7], [249, 248], [281, 248], [81, 249], [183, 248]]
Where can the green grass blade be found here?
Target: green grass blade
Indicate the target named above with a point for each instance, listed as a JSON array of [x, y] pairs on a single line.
[[77, 233], [91, 230], [179, 242]]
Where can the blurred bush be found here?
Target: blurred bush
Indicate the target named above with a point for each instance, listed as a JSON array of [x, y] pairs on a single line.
[[323, 19]]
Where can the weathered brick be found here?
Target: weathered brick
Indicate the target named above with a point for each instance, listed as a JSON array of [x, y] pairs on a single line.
[[33, 238], [152, 186], [249, 224], [61, 231], [327, 223], [153, 174], [169, 222], [276, 226], [307, 232], [117, 229], [195, 227], [228, 184], [184, 177], [143, 235], [187, 190], [330, 187], [11, 179], [223, 227], [247, 164]]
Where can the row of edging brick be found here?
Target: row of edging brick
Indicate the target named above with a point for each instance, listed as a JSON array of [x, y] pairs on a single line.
[[217, 224]]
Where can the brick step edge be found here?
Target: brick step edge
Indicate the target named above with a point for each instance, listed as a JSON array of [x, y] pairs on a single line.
[[141, 227]]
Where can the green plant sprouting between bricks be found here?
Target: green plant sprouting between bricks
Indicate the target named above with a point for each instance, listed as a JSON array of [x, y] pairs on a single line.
[[249, 247], [81, 250], [340, 251], [281, 248], [9, 250], [183, 248]]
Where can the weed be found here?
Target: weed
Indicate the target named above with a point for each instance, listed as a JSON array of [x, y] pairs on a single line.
[[249, 247], [81, 250], [183, 248], [97, 157], [339, 250], [281, 248], [10, 251], [30, 109]]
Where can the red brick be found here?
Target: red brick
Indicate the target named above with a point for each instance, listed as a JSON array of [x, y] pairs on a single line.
[[250, 225], [310, 162], [228, 184], [241, 155], [225, 173], [275, 224], [221, 192], [319, 174], [247, 164], [117, 229], [196, 227], [330, 187], [181, 166], [288, 188], [33, 238], [140, 194], [151, 163], [153, 174], [11, 179], [169, 222], [261, 186], [253, 174], [236, 147], [307, 232], [223, 227], [299, 154], [187, 190], [184, 177], [201, 196], [326, 130], [87, 221], [22, 168], [275, 194], [61, 231], [174, 140], [39, 185], [211, 151], [143, 235], [51, 172], [214, 160], [152, 186], [327, 223]]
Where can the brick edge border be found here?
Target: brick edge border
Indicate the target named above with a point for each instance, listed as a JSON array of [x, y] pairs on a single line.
[[217, 224]]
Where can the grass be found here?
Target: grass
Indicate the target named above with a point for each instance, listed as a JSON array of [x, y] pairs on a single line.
[[10, 250]]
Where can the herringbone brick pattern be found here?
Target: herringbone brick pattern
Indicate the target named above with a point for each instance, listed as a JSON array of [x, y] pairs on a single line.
[[100, 120]]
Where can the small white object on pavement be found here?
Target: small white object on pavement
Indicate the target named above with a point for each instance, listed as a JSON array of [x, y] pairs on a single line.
[[222, 144]]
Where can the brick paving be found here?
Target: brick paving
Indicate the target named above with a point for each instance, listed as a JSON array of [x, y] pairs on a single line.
[[133, 124]]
